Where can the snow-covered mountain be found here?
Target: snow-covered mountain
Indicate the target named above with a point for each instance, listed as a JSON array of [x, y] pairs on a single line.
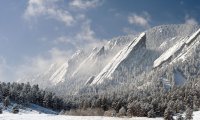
[[130, 51], [183, 46], [122, 58]]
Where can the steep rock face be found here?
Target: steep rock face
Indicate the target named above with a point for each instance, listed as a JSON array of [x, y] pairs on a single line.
[[59, 74], [89, 65], [56, 73], [130, 51], [169, 53], [180, 49]]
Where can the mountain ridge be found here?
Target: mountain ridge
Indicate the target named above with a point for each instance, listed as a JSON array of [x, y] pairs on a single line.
[[87, 68]]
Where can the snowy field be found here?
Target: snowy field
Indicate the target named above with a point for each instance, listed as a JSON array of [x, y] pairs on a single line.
[[35, 112], [37, 116]]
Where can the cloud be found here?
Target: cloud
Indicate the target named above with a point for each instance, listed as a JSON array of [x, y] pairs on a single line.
[[86, 33], [140, 20], [48, 8], [41, 63], [190, 20], [84, 38], [85, 4]]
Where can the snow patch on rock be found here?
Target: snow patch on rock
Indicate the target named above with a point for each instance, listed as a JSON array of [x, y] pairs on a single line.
[[177, 47], [115, 62]]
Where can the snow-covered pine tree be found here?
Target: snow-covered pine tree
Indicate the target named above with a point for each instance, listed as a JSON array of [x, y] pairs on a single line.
[[189, 114], [151, 114], [168, 114], [6, 101], [122, 111]]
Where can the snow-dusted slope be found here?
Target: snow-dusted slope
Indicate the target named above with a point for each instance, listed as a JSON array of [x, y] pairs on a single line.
[[191, 45], [118, 59], [56, 73], [193, 37], [166, 33], [88, 64], [75, 72], [35, 112], [59, 75], [169, 53], [185, 42], [32, 109]]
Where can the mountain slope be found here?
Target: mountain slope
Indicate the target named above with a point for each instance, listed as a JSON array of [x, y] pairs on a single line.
[[182, 45], [123, 59], [119, 59]]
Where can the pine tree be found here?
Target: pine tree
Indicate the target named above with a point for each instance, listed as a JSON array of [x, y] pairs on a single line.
[[151, 114], [6, 101], [189, 113], [122, 112], [1, 111], [129, 112], [168, 114]]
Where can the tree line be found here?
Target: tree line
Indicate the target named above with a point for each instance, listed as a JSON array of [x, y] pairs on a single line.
[[24, 94]]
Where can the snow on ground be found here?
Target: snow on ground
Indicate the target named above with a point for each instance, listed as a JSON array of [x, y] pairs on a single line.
[[35, 116], [35, 112], [196, 115]]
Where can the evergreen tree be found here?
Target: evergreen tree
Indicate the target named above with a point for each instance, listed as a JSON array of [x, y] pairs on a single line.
[[122, 112], [1, 111], [188, 114], [168, 114], [151, 114], [6, 101]]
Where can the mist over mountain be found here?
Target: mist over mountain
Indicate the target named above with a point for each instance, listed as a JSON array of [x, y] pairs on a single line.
[[123, 60]]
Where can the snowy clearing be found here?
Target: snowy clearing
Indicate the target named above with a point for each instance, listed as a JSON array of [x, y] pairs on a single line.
[[10, 116], [36, 116]]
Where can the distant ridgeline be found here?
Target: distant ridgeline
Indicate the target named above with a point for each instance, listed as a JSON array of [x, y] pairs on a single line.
[[122, 60]]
